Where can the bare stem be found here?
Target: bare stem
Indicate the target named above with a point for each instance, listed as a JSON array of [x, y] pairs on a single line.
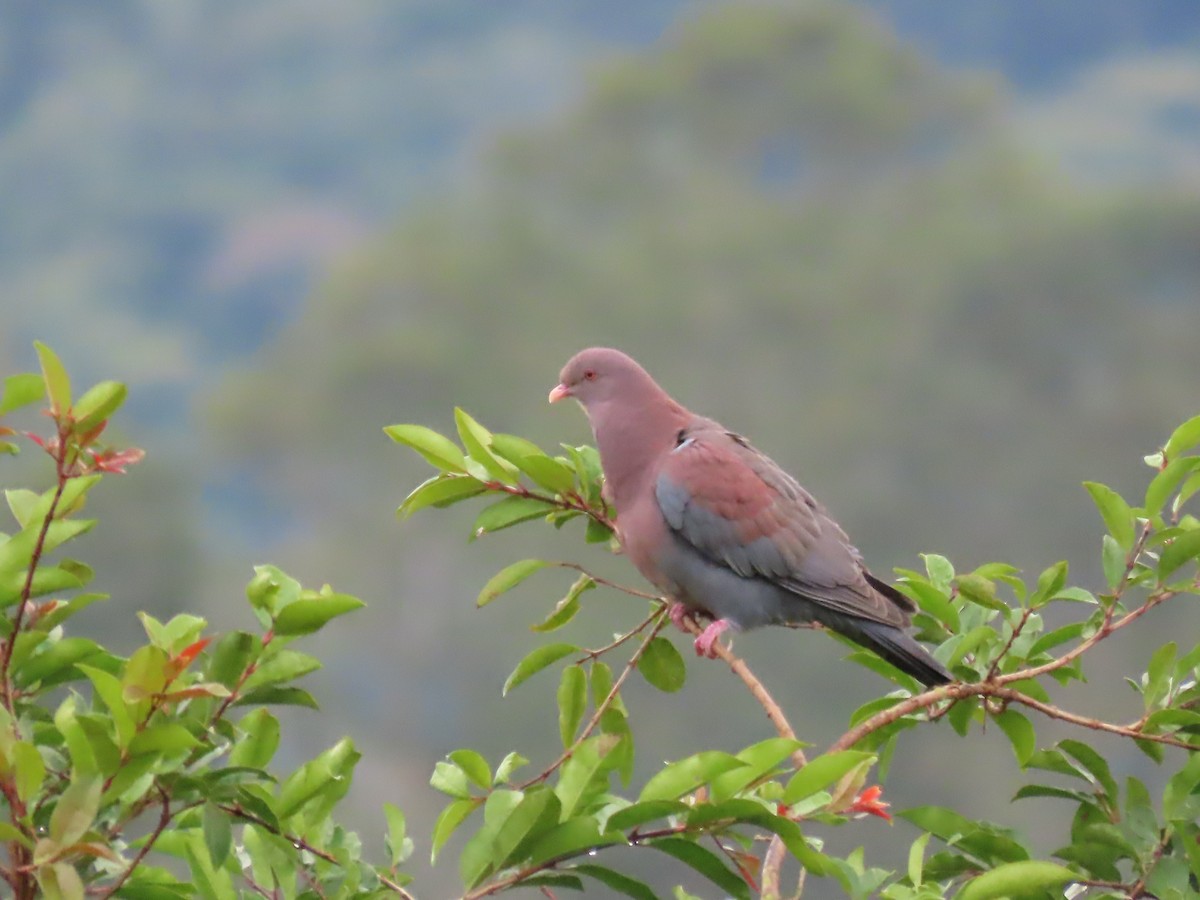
[[164, 819], [603, 705]]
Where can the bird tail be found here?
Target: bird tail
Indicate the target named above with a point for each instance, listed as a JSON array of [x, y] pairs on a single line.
[[903, 652]]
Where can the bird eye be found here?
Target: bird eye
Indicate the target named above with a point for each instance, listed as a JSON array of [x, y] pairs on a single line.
[[590, 374]]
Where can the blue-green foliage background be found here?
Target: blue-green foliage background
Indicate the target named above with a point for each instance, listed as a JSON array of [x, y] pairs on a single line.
[[938, 260]]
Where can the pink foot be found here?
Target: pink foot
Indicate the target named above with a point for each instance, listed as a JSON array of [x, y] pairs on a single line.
[[706, 644], [679, 614]]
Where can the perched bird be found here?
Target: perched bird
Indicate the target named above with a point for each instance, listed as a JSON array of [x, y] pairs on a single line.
[[721, 529]]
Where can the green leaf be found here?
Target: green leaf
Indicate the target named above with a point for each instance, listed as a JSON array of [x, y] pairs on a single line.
[[534, 817], [56, 659], [23, 504], [940, 570], [438, 450], [167, 738], [108, 688], [586, 462], [98, 404], [1158, 675], [440, 491], [1050, 582], [511, 818], [511, 762], [450, 779], [21, 390], [1017, 879], [1020, 733], [1183, 549], [1056, 637], [570, 838], [271, 589], [1118, 517], [83, 760], [447, 821], [1181, 799], [218, 834], [63, 530], [527, 456], [475, 767], [616, 881], [1167, 482], [76, 810], [60, 881], [310, 614], [760, 759], [931, 600], [822, 772], [277, 696], [662, 666], [597, 532], [328, 771], [916, 859], [572, 702], [400, 845], [509, 577], [535, 661], [706, 863], [566, 608], [582, 773], [29, 769], [58, 385], [281, 666], [685, 775], [1113, 560], [1094, 764], [145, 673], [230, 657], [1184, 438], [258, 742], [979, 590], [649, 811], [477, 441], [509, 511]]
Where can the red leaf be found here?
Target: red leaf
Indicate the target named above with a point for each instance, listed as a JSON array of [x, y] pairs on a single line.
[[868, 803], [117, 461]]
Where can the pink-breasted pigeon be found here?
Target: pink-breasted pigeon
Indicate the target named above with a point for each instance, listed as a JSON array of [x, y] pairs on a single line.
[[721, 529]]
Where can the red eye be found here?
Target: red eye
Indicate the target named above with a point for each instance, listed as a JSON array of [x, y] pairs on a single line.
[[590, 375]]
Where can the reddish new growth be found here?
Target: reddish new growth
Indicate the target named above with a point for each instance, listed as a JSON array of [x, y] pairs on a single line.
[[116, 461], [868, 803]]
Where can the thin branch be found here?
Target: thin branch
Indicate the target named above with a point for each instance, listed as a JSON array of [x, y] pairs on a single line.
[[1084, 646], [1138, 888], [1012, 639], [960, 691], [775, 855], [236, 809], [773, 710], [164, 819], [637, 629], [39, 547], [572, 501], [623, 588], [603, 706]]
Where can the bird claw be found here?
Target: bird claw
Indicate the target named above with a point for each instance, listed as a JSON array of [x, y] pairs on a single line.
[[679, 615], [706, 643]]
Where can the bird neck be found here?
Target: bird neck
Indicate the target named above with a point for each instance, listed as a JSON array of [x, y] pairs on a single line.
[[632, 439]]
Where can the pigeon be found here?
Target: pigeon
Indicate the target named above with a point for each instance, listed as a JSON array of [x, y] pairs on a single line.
[[721, 529]]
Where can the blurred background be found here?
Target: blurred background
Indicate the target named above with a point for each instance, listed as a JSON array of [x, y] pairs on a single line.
[[940, 260]]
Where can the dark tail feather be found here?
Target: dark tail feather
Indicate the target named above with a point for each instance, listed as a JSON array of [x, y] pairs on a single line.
[[901, 651]]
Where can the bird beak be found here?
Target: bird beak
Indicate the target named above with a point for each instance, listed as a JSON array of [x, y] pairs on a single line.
[[560, 391]]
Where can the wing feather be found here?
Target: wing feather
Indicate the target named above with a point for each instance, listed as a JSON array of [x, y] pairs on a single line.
[[736, 507]]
